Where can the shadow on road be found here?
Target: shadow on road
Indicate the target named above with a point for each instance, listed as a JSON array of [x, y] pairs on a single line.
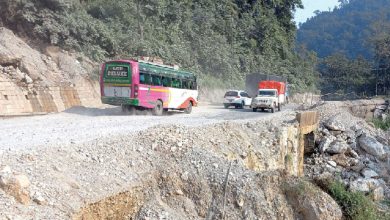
[[113, 111]]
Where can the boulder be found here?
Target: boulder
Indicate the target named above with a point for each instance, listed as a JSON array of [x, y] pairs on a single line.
[[372, 146], [368, 173], [16, 186], [311, 202], [337, 147], [334, 125], [325, 143], [378, 194], [364, 185], [341, 160]]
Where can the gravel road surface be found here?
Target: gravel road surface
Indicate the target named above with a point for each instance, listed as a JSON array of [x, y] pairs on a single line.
[[80, 124]]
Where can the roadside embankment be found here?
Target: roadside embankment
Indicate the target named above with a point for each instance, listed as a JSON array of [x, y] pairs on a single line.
[[232, 169], [35, 82]]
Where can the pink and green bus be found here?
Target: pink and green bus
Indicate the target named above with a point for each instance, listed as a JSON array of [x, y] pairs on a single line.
[[143, 85]]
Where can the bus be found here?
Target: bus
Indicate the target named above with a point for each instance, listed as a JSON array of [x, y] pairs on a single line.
[[138, 84]]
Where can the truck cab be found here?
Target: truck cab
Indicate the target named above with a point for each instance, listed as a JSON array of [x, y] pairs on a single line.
[[266, 99]]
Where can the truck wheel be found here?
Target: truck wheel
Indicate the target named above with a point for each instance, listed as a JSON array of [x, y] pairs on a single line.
[[279, 107], [188, 110], [254, 109], [158, 108]]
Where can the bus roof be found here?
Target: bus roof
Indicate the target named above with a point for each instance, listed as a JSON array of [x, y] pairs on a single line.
[[165, 70]]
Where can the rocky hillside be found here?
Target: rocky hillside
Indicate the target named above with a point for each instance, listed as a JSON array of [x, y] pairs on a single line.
[[35, 82]]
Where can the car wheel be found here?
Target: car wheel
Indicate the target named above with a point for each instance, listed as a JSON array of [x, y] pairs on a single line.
[[158, 108], [188, 110], [242, 105], [226, 106], [254, 109]]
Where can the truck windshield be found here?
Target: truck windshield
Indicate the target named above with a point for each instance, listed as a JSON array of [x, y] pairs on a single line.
[[266, 93]]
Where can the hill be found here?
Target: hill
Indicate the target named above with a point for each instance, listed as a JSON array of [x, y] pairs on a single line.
[[349, 29], [222, 41]]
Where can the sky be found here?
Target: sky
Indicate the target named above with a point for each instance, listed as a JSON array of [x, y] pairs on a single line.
[[311, 6]]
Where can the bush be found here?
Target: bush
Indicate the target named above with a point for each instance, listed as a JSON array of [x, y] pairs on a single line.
[[382, 124], [355, 205]]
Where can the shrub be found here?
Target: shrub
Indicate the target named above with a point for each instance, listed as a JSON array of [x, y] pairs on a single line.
[[382, 124], [355, 205]]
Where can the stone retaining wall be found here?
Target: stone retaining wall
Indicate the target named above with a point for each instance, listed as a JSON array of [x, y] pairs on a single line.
[[22, 100]]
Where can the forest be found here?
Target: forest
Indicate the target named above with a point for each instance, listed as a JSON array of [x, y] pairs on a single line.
[[221, 41], [353, 44]]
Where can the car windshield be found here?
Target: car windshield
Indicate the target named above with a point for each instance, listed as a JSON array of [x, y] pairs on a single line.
[[231, 93], [266, 93]]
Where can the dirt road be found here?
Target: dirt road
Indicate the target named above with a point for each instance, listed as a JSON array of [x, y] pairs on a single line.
[[80, 124]]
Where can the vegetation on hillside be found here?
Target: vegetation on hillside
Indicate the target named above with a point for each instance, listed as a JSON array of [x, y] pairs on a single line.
[[220, 40], [353, 42], [349, 29]]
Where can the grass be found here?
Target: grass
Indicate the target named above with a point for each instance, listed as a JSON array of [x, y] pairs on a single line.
[[382, 124], [355, 205]]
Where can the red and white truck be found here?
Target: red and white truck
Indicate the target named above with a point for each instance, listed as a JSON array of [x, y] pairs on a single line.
[[279, 86], [271, 95]]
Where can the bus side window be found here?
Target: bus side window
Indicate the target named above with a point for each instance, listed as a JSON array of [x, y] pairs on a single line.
[[145, 78], [192, 85], [184, 84], [166, 82], [156, 80], [148, 79], [142, 78], [176, 83]]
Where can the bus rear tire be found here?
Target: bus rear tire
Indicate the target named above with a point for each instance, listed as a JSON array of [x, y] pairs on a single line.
[[188, 110], [158, 108]]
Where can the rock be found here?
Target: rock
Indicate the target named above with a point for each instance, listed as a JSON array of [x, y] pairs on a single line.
[[334, 125], [378, 194], [352, 153], [358, 167], [337, 147], [39, 199], [325, 143], [7, 59], [332, 163], [21, 181], [372, 146], [368, 173], [16, 186], [28, 79], [341, 160], [184, 176], [364, 185], [311, 202], [350, 134], [359, 132], [5, 170], [179, 192]]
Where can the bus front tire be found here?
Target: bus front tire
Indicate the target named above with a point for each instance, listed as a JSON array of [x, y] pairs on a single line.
[[158, 108], [188, 110]]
